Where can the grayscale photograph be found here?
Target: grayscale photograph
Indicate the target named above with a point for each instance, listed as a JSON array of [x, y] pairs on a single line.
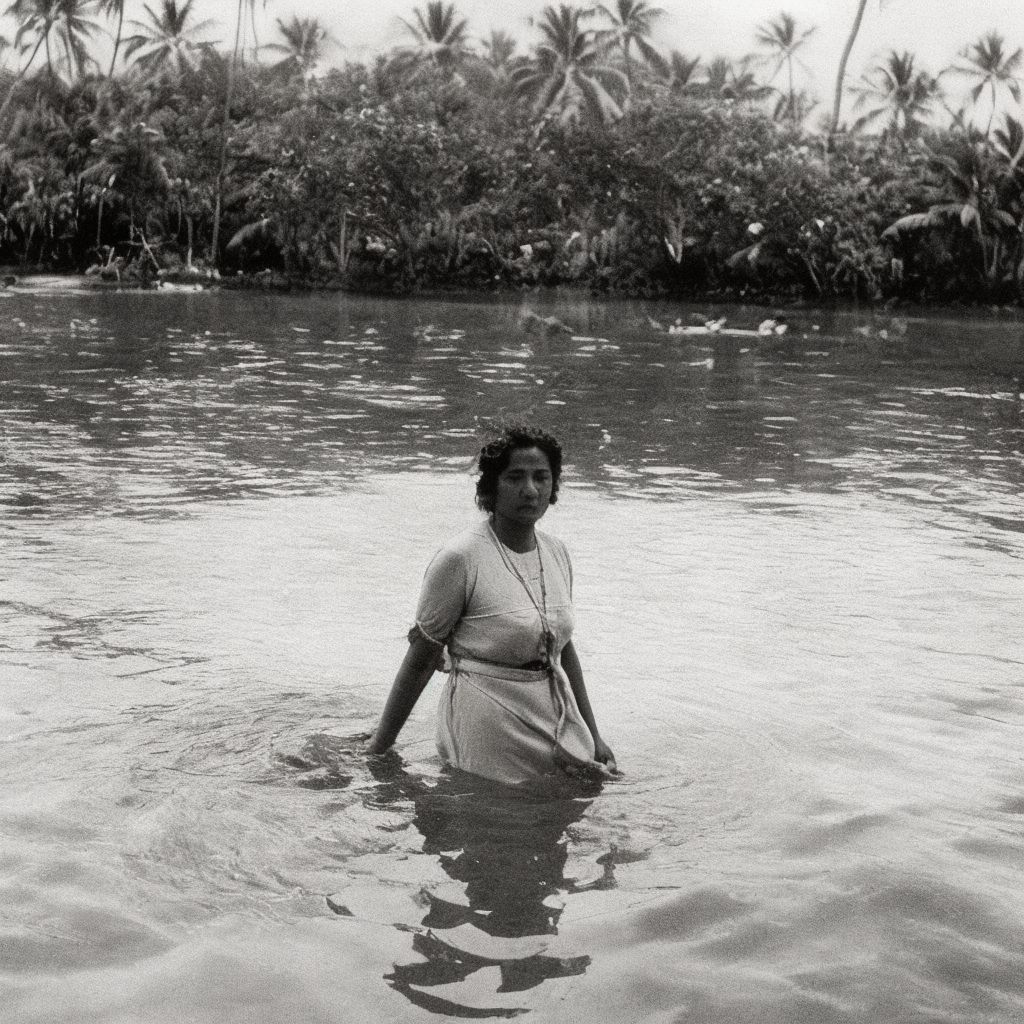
[[511, 511]]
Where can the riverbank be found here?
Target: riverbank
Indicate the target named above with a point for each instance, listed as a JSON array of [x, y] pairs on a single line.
[[714, 300]]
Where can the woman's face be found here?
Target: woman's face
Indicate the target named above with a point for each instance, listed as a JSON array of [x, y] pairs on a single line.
[[524, 487]]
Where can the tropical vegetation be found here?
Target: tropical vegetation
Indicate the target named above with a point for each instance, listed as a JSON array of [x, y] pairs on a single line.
[[137, 144]]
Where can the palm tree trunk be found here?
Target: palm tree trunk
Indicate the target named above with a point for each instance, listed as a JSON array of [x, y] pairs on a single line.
[[117, 41], [792, 98], [228, 93], [255, 39], [841, 74], [74, 57]]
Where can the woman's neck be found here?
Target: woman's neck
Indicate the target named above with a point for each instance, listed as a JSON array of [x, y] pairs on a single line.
[[517, 536]]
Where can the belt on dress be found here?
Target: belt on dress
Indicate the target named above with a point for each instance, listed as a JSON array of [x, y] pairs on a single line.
[[531, 672]]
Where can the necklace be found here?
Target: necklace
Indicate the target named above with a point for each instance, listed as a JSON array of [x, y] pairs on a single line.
[[547, 634]]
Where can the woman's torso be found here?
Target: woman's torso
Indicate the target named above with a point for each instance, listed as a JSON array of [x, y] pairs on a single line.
[[510, 600]]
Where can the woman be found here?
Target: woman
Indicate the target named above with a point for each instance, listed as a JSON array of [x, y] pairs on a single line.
[[499, 598]]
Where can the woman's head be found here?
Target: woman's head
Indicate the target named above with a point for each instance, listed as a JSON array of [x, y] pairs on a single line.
[[496, 454]]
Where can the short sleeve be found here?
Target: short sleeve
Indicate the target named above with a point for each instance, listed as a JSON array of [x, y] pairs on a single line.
[[442, 596], [561, 553]]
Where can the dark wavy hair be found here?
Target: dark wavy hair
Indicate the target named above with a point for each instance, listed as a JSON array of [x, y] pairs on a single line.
[[496, 454]]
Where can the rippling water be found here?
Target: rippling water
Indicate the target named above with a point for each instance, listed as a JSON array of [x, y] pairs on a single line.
[[799, 575]]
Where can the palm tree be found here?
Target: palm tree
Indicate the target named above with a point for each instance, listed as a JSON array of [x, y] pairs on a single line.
[[64, 22], [222, 165], [490, 71], [781, 38], [680, 71], [251, 4], [837, 100], [992, 68], [724, 80], [498, 50], [441, 36], [742, 84], [32, 17], [796, 108], [568, 78], [129, 164], [1009, 143], [971, 199], [893, 90], [169, 40], [632, 23], [303, 47], [716, 77], [113, 8]]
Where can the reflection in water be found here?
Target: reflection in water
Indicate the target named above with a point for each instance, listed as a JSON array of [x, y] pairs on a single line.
[[509, 852], [504, 848]]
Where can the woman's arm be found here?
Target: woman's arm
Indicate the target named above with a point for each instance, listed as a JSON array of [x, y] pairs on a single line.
[[571, 665], [417, 667]]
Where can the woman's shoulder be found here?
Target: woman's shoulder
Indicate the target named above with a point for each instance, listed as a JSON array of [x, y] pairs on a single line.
[[464, 546], [555, 545]]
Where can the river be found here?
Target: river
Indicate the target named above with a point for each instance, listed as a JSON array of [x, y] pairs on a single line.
[[799, 571]]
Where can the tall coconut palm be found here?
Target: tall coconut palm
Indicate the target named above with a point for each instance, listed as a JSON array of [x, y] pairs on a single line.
[[76, 28], [251, 4], [632, 22], [66, 23], [222, 165], [837, 100], [169, 40], [993, 68], [895, 92], [113, 9], [781, 38], [568, 77], [38, 18], [441, 36], [303, 46]]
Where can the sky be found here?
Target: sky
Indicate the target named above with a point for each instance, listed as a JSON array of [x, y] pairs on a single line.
[[934, 31]]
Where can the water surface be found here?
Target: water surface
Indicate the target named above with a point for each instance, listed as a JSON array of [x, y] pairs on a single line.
[[798, 570]]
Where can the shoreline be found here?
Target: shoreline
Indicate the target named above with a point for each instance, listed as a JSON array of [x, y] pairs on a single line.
[[71, 283]]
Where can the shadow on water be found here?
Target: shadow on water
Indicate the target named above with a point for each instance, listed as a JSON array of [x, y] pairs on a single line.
[[504, 851]]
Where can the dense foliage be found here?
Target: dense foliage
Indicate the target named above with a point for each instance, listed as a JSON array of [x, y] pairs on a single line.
[[593, 162]]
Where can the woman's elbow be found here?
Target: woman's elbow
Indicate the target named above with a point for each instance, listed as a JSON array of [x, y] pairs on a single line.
[[424, 656]]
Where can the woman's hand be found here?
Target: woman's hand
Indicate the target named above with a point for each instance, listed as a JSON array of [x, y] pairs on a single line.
[[373, 747], [603, 754]]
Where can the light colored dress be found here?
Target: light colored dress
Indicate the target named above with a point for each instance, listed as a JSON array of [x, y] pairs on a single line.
[[496, 611]]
